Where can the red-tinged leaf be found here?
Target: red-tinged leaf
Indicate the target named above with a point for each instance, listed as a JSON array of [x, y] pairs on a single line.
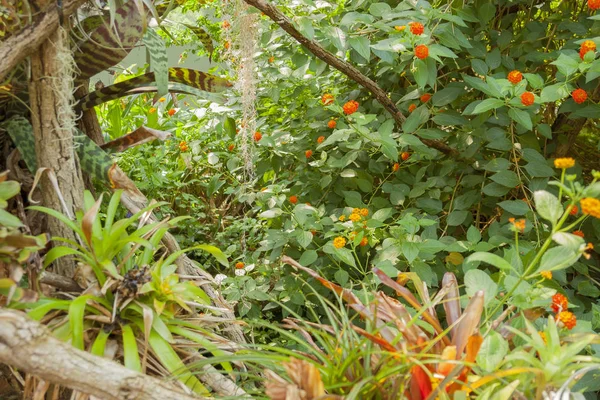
[[420, 384], [385, 345], [88, 221], [452, 301], [469, 322], [411, 299]]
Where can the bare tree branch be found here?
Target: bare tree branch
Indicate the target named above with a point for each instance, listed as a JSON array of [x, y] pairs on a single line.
[[346, 68], [29, 346], [23, 43]]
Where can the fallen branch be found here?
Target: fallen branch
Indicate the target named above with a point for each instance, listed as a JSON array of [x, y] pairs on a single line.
[[60, 282], [29, 346], [344, 67], [24, 42]]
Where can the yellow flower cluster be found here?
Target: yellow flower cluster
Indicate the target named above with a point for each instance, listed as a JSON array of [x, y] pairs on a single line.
[[564, 163], [546, 274], [355, 217], [339, 242], [590, 206]]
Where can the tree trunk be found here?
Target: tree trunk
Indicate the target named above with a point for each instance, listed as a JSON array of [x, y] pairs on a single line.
[[50, 91], [29, 346]]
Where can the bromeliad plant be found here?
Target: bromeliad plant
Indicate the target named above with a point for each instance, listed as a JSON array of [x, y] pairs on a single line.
[[399, 350], [131, 290]]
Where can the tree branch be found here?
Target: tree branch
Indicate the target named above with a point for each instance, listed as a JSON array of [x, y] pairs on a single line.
[[29, 346], [23, 43], [346, 68]]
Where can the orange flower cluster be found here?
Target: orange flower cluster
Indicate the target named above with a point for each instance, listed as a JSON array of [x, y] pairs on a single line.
[[227, 45], [320, 139], [152, 110], [350, 107], [567, 318], [293, 199], [171, 112], [425, 98], [327, 99], [400, 28], [416, 28], [591, 206], [405, 155], [412, 108], [579, 233], [332, 124], [183, 147], [574, 210], [527, 99], [271, 59], [588, 45], [579, 96], [226, 24], [395, 167], [518, 224], [564, 163], [559, 303], [422, 52], [308, 153], [257, 136], [364, 242], [515, 77], [239, 265], [594, 4], [231, 147], [339, 242]]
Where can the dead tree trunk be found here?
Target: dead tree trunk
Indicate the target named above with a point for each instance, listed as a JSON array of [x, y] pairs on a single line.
[[50, 91]]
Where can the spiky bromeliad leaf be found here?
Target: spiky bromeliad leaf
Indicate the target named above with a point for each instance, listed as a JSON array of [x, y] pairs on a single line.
[[21, 132], [93, 159], [155, 46], [204, 38], [106, 46], [191, 78]]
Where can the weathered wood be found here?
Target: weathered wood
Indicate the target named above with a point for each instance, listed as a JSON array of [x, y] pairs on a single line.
[[51, 109], [344, 67], [23, 43], [29, 346]]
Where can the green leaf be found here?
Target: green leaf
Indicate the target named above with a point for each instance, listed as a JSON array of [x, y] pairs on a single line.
[[306, 27], [308, 257], [568, 240], [8, 220], [131, 357], [557, 258], [491, 259], [100, 343], [534, 80], [76, 314], [476, 280], [362, 46], [171, 361], [421, 73], [456, 218], [304, 238], [380, 9], [566, 65], [9, 189], [446, 96], [486, 105], [492, 351], [547, 205], [157, 50], [415, 119], [479, 66], [521, 117], [506, 178], [515, 207], [345, 256], [554, 92], [58, 252]]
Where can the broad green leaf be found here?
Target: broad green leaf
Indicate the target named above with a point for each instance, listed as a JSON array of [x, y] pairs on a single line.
[[76, 315], [554, 92], [415, 119], [456, 217], [345, 256], [486, 105], [547, 205], [215, 252], [515, 207], [308, 257], [506, 178], [557, 258], [362, 46], [566, 65], [421, 73], [476, 280], [131, 356], [491, 259], [521, 117], [492, 351]]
